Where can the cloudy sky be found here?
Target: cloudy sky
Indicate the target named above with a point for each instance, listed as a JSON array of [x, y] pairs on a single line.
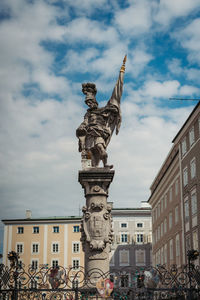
[[48, 48]]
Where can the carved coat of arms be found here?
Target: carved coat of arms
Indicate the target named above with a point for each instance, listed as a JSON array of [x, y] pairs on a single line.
[[96, 226]]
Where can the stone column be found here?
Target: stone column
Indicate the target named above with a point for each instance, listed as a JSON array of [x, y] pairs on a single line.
[[96, 230]]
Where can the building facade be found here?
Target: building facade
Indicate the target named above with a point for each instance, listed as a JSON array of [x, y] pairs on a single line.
[[51, 241], [175, 197], [56, 241], [132, 238]]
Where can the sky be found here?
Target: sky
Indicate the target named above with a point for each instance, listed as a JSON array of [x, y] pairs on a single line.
[[48, 48]]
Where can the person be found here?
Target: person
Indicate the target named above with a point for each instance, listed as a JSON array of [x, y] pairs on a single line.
[[95, 132]]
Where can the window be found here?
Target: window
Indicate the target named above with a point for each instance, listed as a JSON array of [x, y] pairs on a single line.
[[162, 256], [139, 225], [158, 257], [20, 230], [20, 248], [162, 205], [124, 280], [158, 210], [124, 257], [170, 194], [76, 228], [20, 264], [165, 253], [170, 220], [140, 238], [140, 257], [34, 264], [195, 240], [161, 229], [171, 249], [158, 232], [185, 176], [176, 187], [75, 263], [124, 238], [194, 202], [55, 248], [177, 249], [123, 225], [56, 229], [35, 248], [184, 146], [187, 243], [193, 168], [165, 225], [176, 214], [55, 263], [165, 201], [35, 229], [191, 136], [186, 210], [76, 247]]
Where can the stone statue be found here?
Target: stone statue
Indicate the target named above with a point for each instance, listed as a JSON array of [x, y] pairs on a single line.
[[95, 131]]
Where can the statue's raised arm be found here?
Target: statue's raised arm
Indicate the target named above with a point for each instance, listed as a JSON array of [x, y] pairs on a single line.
[[95, 131]]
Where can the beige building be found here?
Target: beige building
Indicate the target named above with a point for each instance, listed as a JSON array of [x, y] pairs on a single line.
[[175, 197], [56, 241], [53, 241]]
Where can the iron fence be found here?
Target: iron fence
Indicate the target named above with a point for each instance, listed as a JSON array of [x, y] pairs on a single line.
[[18, 282]]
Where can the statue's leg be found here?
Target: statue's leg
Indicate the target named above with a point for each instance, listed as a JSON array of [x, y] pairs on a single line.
[[95, 157], [103, 155]]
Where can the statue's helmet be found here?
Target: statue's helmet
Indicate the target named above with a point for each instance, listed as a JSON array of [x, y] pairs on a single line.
[[89, 88]]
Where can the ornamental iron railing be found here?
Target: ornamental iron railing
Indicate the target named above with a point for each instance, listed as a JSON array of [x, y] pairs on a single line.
[[47, 283]]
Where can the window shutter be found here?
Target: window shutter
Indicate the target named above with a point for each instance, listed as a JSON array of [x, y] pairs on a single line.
[[144, 238], [118, 239]]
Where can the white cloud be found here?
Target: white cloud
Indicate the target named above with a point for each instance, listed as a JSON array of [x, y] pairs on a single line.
[[167, 10], [188, 37], [23, 59], [138, 60], [79, 62], [193, 74], [84, 30], [87, 7], [175, 66], [135, 19], [188, 90], [161, 89]]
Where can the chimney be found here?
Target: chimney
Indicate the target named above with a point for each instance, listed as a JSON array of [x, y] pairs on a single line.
[[145, 204], [28, 214]]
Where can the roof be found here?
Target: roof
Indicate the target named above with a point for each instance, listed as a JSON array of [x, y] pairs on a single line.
[[54, 219], [71, 219], [195, 108]]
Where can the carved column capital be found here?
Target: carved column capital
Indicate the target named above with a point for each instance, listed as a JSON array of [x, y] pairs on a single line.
[[96, 181]]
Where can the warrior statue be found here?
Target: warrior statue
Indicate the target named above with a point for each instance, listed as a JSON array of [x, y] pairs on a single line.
[[95, 131]]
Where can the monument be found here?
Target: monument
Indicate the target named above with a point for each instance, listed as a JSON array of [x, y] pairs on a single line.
[[94, 135]]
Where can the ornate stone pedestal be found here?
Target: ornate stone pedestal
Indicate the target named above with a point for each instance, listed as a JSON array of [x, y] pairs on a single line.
[[96, 228]]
